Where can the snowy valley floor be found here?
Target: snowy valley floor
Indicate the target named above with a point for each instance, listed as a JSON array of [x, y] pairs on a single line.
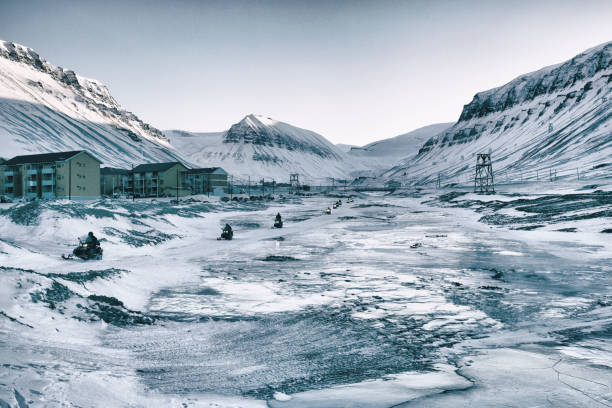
[[429, 299]]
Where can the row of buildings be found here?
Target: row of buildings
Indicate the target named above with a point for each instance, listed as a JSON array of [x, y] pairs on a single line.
[[77, 175]]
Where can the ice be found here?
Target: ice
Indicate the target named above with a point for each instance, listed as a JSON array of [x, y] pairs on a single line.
[[386, 392], [343, 310]]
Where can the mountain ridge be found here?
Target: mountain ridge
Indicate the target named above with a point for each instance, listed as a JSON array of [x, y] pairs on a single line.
[[260, 146], [558, 117], [47, 108]]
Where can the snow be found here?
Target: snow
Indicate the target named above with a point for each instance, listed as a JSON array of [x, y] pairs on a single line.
[[261, 147], [414, 298], [41, 112], [347, 313], [387, 392], [555, 121], [384, 154]]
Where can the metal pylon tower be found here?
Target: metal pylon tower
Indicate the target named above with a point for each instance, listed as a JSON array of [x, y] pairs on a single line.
[[294, 181], [483, 178]]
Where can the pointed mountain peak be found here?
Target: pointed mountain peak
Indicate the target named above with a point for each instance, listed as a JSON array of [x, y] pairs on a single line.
[[254, 120]]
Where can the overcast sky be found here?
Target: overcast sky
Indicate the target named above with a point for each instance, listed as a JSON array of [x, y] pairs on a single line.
[[354, 71]]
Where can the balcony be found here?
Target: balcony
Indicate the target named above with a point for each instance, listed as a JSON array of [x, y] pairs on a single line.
[[31, 172], [7, 184], [9, 173], [32, 183], [48, 182], [48, 170]]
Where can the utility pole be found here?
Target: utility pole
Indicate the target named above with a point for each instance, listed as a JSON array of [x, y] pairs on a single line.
[[133, 184], [273, 185], [231, 189], [177, 185], [249, 187], [263, 187]]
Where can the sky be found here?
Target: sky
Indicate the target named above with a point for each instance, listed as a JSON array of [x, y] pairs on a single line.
[[353, 71]]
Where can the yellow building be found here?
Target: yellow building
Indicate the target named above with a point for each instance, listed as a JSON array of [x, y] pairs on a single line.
[[74, 175], [159, 180]]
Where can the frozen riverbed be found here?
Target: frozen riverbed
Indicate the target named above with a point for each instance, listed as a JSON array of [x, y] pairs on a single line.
[[390, 300]]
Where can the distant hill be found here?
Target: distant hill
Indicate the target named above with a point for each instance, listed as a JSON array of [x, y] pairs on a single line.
[[382, 154], [345, 147]]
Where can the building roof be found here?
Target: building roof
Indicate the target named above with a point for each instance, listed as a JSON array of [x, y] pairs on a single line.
[[143, 168], [112, 170], [44, 158], [205, 170]]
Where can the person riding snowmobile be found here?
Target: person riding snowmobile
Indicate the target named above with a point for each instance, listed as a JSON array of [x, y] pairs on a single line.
[[89, 248], [328, 211], [278, 221], [227, 232], [91, 241]]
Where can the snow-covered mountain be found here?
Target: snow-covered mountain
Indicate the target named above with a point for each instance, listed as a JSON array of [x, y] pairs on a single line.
[[345, 147], [381, 154], [558, 118], [44, 108], [259, 146]]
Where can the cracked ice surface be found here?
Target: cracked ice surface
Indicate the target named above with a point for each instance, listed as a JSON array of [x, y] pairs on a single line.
[[390, 300]]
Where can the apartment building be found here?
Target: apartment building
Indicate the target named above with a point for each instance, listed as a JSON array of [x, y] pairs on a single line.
[[115, 181], [209, 180], [74, 175], [159, 180]]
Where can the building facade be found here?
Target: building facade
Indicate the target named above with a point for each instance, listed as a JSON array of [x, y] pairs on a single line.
[[115, 181], [72, 175], [210, 180], [159, 180]]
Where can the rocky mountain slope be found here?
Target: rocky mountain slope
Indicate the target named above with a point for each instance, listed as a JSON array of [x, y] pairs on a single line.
[[381, 154], [44, 108], [556, 119], [259, 146]]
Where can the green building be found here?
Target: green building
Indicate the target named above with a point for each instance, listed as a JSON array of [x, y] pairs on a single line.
[[74, 175], [159, 180], [209, 180]]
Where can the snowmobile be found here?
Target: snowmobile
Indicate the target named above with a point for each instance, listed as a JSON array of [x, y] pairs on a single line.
[[227, 233], [328, 211], [278, 221], [350, 200], [85, 252]]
